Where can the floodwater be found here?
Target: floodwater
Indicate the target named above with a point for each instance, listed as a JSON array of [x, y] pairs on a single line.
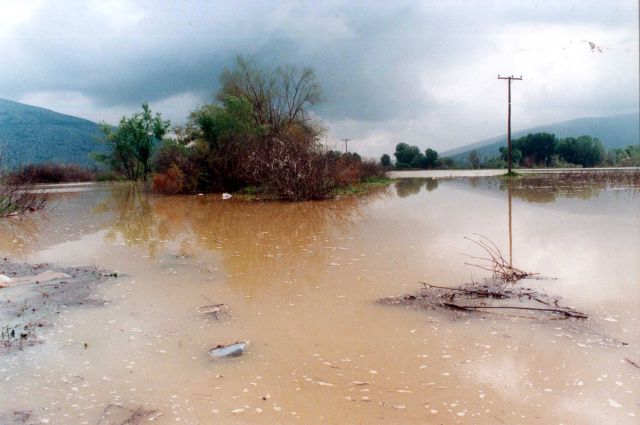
[[301, 282]]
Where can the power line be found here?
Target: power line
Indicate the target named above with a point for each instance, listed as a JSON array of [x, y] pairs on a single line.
[[509, 115]]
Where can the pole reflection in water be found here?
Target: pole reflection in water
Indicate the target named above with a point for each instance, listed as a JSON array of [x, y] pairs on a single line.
[[510, 228]]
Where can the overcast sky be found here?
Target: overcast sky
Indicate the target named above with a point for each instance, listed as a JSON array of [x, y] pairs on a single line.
[[392, 71]]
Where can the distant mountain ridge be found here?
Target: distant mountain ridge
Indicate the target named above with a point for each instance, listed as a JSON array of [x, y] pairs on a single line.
[[29, 134], [613, 131]]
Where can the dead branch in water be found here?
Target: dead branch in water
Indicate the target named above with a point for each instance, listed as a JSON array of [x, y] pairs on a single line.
[[495, 263], [632, 363], [19, 198], [496, 293], [481, 297], [564, 311], [482, 292]]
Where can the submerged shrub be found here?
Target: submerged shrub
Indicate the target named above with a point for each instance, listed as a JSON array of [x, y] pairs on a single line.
[[371, 169], [18, 198], [169, 182], [289, 168]]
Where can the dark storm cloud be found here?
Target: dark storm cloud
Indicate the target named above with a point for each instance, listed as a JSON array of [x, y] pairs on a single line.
[[402, 68]]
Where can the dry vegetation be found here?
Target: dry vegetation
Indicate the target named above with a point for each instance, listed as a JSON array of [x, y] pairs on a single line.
[[495, 262], [19, 198], [501, 294], [613, 178], [50, 173]]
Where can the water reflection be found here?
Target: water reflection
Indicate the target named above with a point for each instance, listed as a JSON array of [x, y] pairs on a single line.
[[133, 217], [304, 276], [537, 191], [510, 225], [18, 235], [431, 185], [412, 186], [253, 239], [68, 216]]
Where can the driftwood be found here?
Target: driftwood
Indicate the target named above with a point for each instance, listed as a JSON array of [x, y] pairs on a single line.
[[215, 311], [500, 294], [489, 296], [566, 311]]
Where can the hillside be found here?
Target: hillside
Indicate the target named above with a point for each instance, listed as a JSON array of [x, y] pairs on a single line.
[[614, 132], [29, 134]]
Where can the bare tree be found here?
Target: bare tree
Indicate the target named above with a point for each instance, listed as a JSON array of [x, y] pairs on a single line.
[[279, 97]]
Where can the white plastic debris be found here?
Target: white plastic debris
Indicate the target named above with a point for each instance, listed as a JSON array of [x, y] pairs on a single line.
[[226, 195], [231, 350]]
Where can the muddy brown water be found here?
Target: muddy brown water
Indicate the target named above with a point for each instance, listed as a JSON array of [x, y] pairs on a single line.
[[301, 282]]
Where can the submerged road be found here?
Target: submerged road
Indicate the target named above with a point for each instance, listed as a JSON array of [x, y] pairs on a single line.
[[438, 174]]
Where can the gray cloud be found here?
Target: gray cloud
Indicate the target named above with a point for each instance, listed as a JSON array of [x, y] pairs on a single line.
[[391, 71]]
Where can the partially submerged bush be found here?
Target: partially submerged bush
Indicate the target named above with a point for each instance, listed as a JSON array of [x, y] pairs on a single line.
[[261, 136], [18, 198], [289, 169], [372, 170], [176, 169], [170, 182]]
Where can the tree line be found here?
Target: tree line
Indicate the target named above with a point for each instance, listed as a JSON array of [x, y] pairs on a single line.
[[532, 150], [408, 157]]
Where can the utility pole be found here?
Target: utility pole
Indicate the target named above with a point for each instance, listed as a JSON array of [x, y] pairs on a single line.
[[345, 145], [509, 114]]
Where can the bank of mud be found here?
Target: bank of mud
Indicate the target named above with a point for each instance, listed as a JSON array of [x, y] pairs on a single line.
[[33, 295]]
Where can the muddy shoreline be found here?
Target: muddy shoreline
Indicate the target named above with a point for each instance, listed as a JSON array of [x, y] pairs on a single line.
[[33, 295]]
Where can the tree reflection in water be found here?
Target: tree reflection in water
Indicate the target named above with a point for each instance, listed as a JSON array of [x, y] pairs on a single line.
[[254, 239], [411, 186]]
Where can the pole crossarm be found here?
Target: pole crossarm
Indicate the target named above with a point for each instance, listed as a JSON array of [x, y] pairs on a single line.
[[346, 141]]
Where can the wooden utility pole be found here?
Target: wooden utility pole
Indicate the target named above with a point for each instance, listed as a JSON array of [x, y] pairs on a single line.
[[509, 115], [345, 145]]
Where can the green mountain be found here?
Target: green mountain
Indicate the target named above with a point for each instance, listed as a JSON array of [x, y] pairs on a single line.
[[614, 132], [29, 134]]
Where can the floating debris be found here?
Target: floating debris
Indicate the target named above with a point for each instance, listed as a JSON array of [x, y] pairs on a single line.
[[4, 280], [501, 293], [632, 363], [215, 311], [115, 413], [232, 350], [485, 297]]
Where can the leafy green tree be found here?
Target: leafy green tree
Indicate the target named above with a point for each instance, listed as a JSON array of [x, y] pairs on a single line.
[[431, 158], [624, 157], [474, 159], [584, 150], [495, 162], [132, 143], [220, 135], [404, 154], [536, 149], [418, 161], [446, 163], [385, 160], [516, 156]]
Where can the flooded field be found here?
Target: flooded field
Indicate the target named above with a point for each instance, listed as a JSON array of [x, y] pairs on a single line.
[[301, 283]]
